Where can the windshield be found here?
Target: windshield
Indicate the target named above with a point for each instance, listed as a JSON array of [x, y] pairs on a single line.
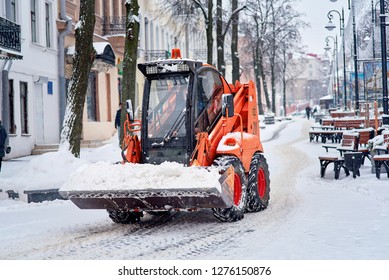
[[166, 110]]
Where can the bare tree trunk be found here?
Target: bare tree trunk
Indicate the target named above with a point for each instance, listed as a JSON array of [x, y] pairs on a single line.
[[284, 81], [209, 22], [264, 81], [273, 82], [83, 59], [130, 59], [258, 81], [234, 42], [273, 61], [220, 37]]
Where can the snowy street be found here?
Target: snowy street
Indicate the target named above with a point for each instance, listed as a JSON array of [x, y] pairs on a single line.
[[308, 218]]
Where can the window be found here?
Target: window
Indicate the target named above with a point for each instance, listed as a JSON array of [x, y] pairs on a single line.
[[12, 126], [108, 91], [208, 99], [47, 25], [33, 21], [146, 34], [23, 107], [151, 39], [91, 100], [10, 10], [167, 102]]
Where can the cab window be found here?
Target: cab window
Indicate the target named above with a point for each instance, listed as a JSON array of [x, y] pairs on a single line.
[[207, 99]]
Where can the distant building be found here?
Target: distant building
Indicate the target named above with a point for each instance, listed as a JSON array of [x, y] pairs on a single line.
[[306, 80]]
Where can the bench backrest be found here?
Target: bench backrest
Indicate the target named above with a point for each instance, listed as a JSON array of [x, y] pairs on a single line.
[[385, 134], [365, 135], [327, 122], [372, 122], [350, 140], [337, 114], [347, 124]]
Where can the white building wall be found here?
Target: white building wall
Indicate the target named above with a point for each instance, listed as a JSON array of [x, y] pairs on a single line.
[[38, 67]]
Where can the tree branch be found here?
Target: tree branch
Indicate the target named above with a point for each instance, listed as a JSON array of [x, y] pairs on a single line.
[[230, 19]]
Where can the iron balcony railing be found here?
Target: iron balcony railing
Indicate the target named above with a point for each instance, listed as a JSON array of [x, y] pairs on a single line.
[[114, 25], [9, 35]]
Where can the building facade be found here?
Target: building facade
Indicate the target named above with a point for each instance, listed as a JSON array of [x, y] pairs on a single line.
[[30, 86]]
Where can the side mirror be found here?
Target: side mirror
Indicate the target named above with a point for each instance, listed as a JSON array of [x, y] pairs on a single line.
[[130, 111], [227, 105]]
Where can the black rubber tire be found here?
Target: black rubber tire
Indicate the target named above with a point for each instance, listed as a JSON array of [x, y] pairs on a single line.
[[258, 191], [235, 212], [124, 217]]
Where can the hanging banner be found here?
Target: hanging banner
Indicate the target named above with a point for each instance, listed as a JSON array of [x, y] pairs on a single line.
[[373, 79]]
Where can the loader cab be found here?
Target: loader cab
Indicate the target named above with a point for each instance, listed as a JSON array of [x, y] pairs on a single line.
[[178, 102]]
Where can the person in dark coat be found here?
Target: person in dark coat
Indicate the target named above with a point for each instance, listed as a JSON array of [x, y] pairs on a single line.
[[308, 111], [117, 120], [3, 138]]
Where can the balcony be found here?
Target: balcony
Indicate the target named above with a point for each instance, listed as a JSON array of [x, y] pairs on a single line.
[[10, 41], [114, 25]]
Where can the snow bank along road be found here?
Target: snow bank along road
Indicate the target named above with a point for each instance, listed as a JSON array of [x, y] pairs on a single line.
[[59, 230]]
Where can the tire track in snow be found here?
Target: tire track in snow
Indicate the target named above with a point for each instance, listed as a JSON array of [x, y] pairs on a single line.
[[284, 200]]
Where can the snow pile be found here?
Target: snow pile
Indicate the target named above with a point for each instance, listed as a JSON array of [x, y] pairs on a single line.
[[46, 171], [168, 175]]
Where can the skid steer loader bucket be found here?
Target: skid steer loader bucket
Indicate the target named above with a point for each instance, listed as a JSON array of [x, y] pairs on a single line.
[[91, 188]]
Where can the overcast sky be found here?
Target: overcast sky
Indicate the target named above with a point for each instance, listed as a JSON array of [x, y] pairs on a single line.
[[316, 15]]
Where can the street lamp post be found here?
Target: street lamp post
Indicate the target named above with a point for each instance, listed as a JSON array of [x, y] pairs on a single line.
[[355, 60], [335, 54], [330, 26], [383, 56], [373, 22], [355, 55]]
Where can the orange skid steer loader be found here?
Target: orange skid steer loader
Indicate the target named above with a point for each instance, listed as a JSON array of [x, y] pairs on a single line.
[[192, 118]]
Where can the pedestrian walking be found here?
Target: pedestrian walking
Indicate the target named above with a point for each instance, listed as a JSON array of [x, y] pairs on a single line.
[[117, 120], [3, 140], [308, 111]]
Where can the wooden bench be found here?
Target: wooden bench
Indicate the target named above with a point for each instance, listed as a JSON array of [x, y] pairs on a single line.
[[365, 134], [338, 165], [327, 122], [324, 134], [349, 143], [382, 159], [348, 123], [341, 114]]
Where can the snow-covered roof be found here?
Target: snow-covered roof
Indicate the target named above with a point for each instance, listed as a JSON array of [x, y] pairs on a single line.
[[104, 51], [327, 97]]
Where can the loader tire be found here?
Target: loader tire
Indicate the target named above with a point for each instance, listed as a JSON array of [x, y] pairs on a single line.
[[258, 191], [124, 217], [236, 211]]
